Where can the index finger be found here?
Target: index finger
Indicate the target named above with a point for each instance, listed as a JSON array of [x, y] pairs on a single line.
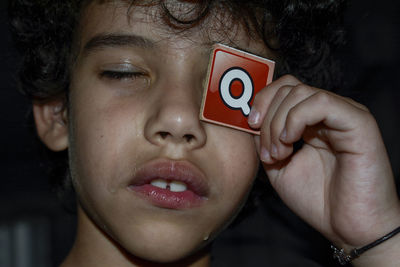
[[264, 98]]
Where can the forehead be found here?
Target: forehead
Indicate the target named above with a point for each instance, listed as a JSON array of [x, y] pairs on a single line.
[[152, 22]]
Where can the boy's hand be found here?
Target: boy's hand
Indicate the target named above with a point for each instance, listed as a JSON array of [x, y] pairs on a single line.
[[340, 181]]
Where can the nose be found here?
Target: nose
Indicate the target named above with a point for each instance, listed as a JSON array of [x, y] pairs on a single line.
[[174, 118]]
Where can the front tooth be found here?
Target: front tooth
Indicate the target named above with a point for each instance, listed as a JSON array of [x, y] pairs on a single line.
[[176, 186], [159, 183]]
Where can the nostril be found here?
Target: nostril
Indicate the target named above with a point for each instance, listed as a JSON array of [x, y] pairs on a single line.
[[163, 135], [188, 137]]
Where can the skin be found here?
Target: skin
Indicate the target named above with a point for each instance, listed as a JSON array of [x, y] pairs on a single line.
[[340, 182], [118, 125]]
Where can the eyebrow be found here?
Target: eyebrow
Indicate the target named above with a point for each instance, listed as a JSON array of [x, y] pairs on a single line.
[[116, 40]]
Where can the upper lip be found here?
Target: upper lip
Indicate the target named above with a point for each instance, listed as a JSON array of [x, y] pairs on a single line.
[[170, 170]]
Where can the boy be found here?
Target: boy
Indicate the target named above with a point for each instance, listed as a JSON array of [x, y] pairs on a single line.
[[120, 86]]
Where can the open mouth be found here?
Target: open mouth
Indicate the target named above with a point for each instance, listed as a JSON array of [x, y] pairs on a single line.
[[171, 184]]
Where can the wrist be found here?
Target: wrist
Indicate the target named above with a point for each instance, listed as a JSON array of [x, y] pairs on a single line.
[[386, 254], [380, 245], [343, 258]]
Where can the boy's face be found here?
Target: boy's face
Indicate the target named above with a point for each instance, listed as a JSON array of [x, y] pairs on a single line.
[[134, 105]]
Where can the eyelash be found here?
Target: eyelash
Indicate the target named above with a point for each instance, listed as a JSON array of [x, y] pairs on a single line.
[[120, 75]]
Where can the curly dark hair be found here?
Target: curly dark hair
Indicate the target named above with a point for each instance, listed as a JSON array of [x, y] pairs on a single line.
[[303, 33]]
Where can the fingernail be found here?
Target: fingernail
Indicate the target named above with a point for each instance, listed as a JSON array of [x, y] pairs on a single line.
[[254, 116], [283, 135], [274, 150], [265, 156]]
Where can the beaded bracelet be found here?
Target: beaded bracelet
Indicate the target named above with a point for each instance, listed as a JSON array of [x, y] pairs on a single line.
[[344, 258]]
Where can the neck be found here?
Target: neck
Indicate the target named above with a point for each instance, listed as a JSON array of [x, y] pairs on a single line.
[[93, 247]]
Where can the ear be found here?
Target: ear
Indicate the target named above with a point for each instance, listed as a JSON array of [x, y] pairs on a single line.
[[51, 124]]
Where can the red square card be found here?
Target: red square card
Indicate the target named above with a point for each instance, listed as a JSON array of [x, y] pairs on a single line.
[[234, 78]]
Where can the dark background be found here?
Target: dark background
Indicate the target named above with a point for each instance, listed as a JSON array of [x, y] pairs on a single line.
[[35, 229]]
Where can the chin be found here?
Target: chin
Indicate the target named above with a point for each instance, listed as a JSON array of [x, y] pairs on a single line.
[[172, 256], [164, 244], [177, 255]]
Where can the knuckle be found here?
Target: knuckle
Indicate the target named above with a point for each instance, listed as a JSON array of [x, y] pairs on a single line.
[[323, 97], [260, 96], [290, 79], [357, 104], [349, 99], [275, 127], [283, 91], [291, 117], [364, 108], [301, 90], [368, 117]]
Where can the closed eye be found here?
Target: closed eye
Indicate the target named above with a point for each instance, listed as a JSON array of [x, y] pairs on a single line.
[[120, 75]]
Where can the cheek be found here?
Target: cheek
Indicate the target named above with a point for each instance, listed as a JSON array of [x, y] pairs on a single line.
[[232, 166], [103, 132], [238, 164]]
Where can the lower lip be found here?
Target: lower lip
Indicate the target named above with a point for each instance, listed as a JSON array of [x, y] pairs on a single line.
[[164, 198]]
